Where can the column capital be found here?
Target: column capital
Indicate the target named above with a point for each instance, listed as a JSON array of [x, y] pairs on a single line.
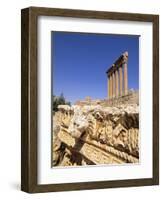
[[125, 57]]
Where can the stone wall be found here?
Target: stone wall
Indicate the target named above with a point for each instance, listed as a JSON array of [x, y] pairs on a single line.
[[131, 98]]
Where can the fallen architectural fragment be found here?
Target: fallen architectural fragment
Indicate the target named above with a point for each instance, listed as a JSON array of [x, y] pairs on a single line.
[[95, 135]]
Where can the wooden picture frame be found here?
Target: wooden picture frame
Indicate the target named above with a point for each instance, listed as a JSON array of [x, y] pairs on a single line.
[[29, 97]]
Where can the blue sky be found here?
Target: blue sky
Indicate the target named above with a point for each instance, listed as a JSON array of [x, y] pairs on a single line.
[[80, 62]]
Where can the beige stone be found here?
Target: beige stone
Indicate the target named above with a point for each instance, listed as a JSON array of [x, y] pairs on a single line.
[[125, 79], [113, 85], [117, 83], [98, 135], [120, 81]]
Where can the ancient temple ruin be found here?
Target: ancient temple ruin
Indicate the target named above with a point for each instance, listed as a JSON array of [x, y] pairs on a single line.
[[99, 131], [118, 92], [118, 77]]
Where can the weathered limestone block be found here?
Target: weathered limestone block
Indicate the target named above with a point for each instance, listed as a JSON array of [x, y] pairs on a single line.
[[117, 128]]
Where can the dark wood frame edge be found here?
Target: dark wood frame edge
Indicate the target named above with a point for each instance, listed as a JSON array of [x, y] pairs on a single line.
[[29, 99]]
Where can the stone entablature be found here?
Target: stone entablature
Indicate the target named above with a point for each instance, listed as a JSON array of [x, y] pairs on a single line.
[[118, 77]]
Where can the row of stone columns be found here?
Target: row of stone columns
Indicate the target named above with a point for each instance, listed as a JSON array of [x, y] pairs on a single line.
[[118, 78]]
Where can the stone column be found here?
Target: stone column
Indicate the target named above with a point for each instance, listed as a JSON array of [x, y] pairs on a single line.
[[120, 81], [125, 58], [125, 79], [117, 83], [110, 86], [113, 85]]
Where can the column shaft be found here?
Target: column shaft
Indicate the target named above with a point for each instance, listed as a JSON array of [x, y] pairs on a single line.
[[110, 86], [120, 81], [125, 79], [117, 83], [113, 85]]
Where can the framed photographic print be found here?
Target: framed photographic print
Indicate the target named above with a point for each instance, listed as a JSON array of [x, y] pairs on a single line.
[[90, 99]]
